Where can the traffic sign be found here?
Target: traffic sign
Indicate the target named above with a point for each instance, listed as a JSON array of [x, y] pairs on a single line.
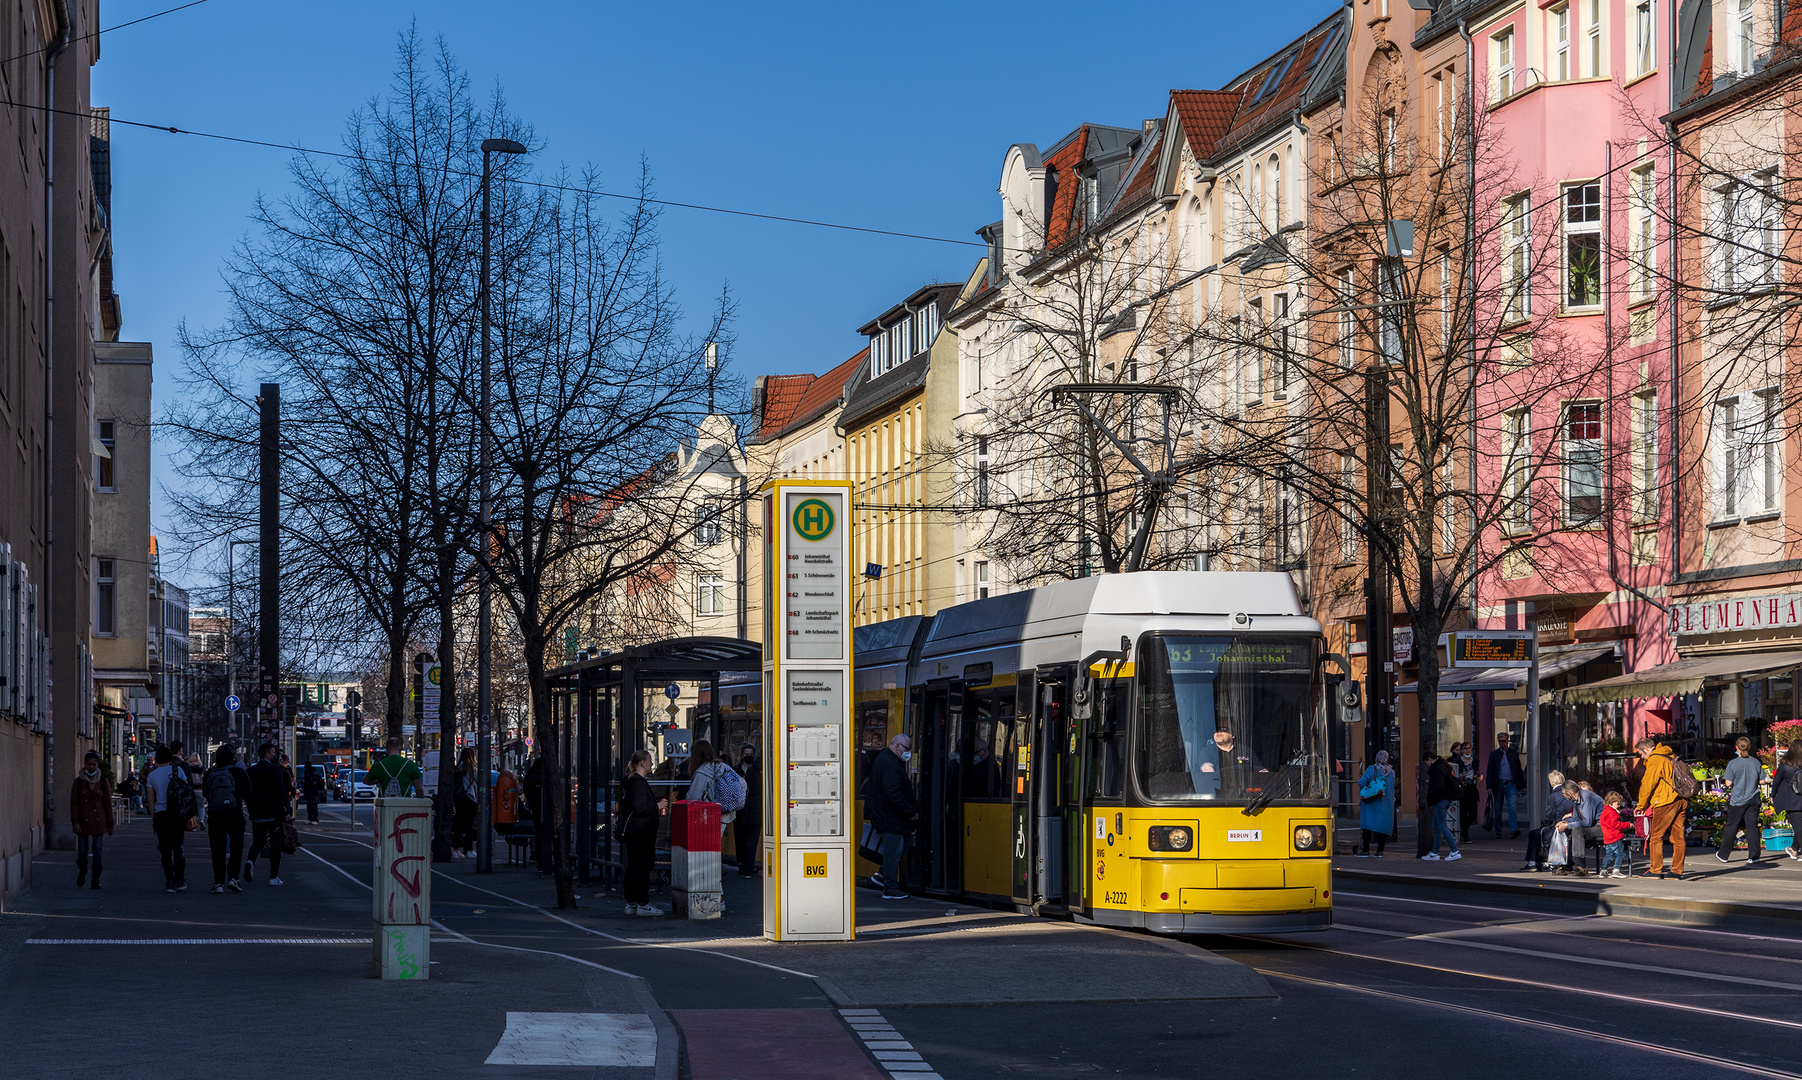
[[232, 703], [672, 691]]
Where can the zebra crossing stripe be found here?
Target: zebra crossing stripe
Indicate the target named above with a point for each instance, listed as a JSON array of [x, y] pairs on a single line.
[[891, 1051]]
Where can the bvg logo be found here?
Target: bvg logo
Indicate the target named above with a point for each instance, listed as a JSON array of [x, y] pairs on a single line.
[[812, 519]]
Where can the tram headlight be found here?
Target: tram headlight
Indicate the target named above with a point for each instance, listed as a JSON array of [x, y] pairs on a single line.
[[1310, 838], [1170, 838]]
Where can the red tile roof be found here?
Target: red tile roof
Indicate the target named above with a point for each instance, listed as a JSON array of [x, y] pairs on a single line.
[[1205, 116], [1292, 68], [781, 395], [819, 394], [1060, 168]]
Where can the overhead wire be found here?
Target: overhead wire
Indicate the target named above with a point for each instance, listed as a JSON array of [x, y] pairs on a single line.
[[92, 34]]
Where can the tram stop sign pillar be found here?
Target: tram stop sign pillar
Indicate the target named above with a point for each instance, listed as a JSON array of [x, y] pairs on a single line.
[[807, 687], [403, 888]]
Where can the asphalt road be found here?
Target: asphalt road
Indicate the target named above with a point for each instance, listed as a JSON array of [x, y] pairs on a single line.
[[1404, 988]]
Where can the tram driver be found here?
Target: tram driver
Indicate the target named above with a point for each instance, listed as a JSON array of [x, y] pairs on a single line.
[[1228, 770]]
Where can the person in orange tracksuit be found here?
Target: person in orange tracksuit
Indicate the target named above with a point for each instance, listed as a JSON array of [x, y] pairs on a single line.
[[1659, 798]]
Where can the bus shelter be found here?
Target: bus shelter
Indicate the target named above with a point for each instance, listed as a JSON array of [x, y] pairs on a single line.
[[611, 705]]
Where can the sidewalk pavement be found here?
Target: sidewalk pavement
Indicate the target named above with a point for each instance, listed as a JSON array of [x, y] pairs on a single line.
[[1767, 897], [154, 984]]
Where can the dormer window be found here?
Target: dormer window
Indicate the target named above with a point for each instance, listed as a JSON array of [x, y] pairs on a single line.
[[1744, 30], [879, 354], [926, 327]]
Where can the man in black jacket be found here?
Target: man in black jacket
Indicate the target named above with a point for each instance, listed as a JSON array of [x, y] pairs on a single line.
[[1505, 778], [271, 797], [889, 804], [747, 827]]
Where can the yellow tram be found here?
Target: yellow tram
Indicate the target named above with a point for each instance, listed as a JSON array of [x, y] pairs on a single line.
[[1141, 750]]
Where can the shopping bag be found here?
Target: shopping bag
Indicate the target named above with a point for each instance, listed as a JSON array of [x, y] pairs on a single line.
[[1557, 850], [869, 844]]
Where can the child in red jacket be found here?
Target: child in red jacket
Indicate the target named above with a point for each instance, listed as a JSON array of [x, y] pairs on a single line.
[[1617, 825]]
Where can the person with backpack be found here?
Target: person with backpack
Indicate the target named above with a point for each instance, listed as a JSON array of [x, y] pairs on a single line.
[[715, 782], [1786, 790], [394, 775], [748, 827], [271, 796], [91, 814], [1442, 789], [173, 809], [227, 790], [1664, 793]]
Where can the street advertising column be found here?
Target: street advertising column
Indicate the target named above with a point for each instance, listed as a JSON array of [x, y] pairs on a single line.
[[403, 887], [807, 855]]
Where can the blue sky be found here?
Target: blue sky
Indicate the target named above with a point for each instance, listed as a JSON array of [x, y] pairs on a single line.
[[888, 116]]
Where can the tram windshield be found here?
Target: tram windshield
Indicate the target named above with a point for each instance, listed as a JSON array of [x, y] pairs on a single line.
[[1230, 718]]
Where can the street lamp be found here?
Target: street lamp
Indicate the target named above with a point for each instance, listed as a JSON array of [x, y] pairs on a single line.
[[484, 639]]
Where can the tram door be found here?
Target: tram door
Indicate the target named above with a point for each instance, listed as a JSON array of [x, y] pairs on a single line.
[[940, 797], [1056, 782], [1022, 794]]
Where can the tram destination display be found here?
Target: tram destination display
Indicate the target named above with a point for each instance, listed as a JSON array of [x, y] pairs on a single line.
[[1493, 649]]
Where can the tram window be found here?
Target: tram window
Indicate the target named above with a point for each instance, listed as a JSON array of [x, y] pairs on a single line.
[[982, 780], [1107, 746], [872, 736]]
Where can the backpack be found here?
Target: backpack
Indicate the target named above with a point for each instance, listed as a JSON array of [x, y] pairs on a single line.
[[180, 796], [1795, 782], [1683, 780], [221, 790], [728, 789]]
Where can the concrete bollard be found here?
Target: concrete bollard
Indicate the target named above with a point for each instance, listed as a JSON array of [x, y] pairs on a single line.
[[403, 888], [694, 860]]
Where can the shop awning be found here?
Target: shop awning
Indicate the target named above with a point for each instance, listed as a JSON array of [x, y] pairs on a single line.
[[1681, 676], [1553, 662]]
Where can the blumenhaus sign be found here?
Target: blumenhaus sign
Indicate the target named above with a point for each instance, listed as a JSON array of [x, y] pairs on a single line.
[[1738, 614]]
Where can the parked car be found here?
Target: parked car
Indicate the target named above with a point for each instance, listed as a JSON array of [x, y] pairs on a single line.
[[358, 787]]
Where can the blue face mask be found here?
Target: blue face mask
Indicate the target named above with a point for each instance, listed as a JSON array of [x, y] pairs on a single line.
[[907, 755]]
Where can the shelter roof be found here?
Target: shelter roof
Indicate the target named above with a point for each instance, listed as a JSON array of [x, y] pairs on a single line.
[[687, 655]]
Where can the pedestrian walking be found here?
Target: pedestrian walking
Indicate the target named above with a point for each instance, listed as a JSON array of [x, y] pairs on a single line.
[[747, 831], [889, 804], [1442, 791], [1583, 825], [1617, 825], [1376, 805], [464, 804], [271, 796], [394, 775], [1786, 790], [172, 810], [1539, 839], [1742, 777], [1659, 797], [227, 789], [1503, 778], [312, 788], [91, 815], [635, 826]]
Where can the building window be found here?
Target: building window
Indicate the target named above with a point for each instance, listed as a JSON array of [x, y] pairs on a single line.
[[1592, 26], [1502, 46], [904, 342], [1642, 233], [982, 470], [1748, 455], [1445, 301], [1583, 463], [1645, 457], [106, 599], [926, 327], [1348, 507], [1645, 38], [707, 524], [1391, 311], [710, 594], [1743, 27], [1448, 507], [1745, 233], [1255, 377], [1391, 142], [1517, 266], [105, 474], [1583, 245], [1560, 35], [1285, 352], [1348, 324], [1517, 480], [879, 354], [982, 579]]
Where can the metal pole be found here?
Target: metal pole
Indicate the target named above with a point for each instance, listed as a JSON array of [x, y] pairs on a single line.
[[269, 558], [484, 672], [1536, 755]]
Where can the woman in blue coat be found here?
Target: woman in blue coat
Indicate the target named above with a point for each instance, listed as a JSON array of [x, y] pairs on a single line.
[[1376, 811]]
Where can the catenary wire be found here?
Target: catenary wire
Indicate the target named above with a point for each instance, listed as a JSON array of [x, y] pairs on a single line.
[[92, 34]]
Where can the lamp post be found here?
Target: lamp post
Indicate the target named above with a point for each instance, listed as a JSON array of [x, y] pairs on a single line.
[[231, 624], [485, 587]]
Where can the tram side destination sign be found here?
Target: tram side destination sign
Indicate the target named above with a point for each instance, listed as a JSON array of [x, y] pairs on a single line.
[[1493, 649], [815, 607]]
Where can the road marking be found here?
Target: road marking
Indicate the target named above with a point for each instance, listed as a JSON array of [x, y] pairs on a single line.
[[201, 941], [1540, 1026], [1540, 984], [886, 1045], [616, 1040], [1527, 912], [1593, 961], [1548, 917]]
